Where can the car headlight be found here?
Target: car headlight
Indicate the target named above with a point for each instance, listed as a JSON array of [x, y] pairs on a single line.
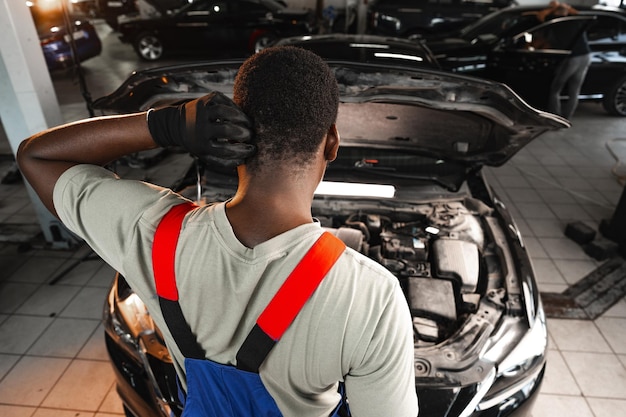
[[519, 371]]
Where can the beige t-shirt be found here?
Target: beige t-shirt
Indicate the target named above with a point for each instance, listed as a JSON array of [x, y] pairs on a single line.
[[356, 327]]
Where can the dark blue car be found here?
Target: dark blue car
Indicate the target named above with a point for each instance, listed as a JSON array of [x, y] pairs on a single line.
[[55, 39]]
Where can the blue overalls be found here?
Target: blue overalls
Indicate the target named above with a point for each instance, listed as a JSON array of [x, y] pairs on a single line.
[[216, 390]]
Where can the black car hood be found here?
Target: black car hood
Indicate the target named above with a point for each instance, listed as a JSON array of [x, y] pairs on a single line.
[[446, 116]]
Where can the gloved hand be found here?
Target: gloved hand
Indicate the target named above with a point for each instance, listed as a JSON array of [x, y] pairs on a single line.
[[211, 128]]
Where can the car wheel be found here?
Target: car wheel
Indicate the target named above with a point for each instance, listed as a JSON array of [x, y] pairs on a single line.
[[149, 47], [262, 41], [615, 100]]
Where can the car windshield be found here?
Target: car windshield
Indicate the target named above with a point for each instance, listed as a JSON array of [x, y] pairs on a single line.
[[499, 24]]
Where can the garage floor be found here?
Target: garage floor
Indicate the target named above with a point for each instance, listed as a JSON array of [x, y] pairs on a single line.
[[52, 356]]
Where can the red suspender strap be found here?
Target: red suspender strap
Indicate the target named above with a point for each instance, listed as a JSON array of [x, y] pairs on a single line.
[[300, 285], [163, 264], [288, 301], [164, 250]]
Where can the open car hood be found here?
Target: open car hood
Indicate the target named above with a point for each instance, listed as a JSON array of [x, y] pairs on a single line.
[[446, 116]]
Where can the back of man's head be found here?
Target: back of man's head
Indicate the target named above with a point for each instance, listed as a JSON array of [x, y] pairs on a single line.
[[291, 95]]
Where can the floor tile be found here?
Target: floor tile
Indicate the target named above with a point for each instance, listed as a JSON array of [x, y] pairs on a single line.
[[83, 386], [37, 270], [18, 333], [577, 336], [547, 227], [513, 181], [576, 184], [112, 403], [553, 288], [555, 196], [81, 271], [9, 263], [30, 380], [604, 407], [558, 378], [14, 411], [534, 248], [95, 348], [614, 331], [13, 295], [570, 212], [597, 374], [64, 338], [49, 412], [548, 405], [6, 363], [524, 195], [563, 248], [103, 277], [574, 270], [535, 211], [88, 303], [546, 272], [48, 300]]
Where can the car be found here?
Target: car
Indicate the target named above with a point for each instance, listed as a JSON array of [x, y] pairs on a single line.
[[365, 48], [413, 142], [404, 18], [502, 46], [109, 10], [55, 41], [207, 26]]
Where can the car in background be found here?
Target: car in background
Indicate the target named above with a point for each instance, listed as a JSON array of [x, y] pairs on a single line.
[[109, 10], [365, 48], [55, 39], [504, 47], [205, 27], [418, 138], [404, 18]]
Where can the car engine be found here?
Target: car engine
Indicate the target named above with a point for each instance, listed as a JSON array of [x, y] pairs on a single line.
[[435, 250]]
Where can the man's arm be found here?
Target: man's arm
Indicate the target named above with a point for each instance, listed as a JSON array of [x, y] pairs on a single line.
[[211, 127], [43, 157]]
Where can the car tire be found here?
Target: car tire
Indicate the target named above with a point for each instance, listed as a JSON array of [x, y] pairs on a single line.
[[149, 46], [614, 101], [262, 41]]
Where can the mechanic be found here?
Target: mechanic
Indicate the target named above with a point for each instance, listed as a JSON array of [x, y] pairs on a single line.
[[572, 70], [232, 257]]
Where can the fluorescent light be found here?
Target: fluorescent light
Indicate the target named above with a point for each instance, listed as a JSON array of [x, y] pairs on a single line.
[[398, 56], [350, 189], [369, 45]]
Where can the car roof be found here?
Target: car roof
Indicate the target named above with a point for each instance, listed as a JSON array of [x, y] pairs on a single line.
[[366, 48]]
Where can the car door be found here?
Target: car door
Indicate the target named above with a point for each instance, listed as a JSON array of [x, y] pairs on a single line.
[[528, 61], [199, 26], [250, 17], [607, 40]]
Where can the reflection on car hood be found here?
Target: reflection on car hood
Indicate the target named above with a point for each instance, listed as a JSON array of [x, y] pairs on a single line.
[[442, 115]]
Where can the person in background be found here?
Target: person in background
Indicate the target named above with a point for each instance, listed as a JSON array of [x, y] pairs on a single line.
[[571, 72], [232, 257]]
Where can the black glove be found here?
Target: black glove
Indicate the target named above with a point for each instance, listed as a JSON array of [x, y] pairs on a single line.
[[211, 128]]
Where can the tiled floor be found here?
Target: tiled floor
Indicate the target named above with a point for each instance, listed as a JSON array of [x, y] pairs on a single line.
[[52, 356]]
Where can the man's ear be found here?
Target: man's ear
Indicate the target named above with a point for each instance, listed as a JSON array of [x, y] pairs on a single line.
[[331, 145]]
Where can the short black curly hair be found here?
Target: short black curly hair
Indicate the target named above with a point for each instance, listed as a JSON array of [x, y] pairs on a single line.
[[292, 97]]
